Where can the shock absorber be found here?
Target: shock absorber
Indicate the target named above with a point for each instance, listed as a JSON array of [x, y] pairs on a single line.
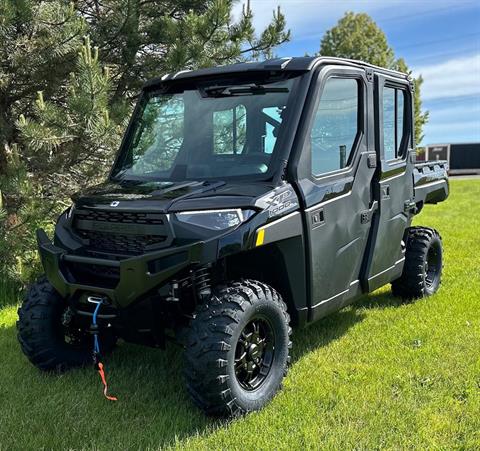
[[201, 283]]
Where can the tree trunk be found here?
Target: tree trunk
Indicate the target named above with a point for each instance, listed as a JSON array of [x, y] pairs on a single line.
[[5, 136]]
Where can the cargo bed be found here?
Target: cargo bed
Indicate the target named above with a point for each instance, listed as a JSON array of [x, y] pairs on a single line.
[[430, 180]]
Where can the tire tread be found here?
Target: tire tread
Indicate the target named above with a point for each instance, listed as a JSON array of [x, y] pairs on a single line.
[[208, 343], [411, 284]]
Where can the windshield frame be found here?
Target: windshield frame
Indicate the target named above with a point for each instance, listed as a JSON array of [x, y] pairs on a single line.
[[277, 164]]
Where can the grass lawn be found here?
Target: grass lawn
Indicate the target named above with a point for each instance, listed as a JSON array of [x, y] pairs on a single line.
[[378, 374]]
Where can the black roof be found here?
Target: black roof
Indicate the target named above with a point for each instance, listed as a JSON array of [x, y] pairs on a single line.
[[290, 64]]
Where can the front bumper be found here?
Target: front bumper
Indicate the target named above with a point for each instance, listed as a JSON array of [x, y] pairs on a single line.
[[137, 275]]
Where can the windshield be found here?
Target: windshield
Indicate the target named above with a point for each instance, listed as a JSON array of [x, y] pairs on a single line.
[[217, 131]]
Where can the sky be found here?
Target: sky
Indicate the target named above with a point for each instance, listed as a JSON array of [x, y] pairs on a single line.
[[438, 39]]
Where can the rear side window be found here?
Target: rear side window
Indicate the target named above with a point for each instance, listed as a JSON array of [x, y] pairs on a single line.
[[335, 125], [393, 122]]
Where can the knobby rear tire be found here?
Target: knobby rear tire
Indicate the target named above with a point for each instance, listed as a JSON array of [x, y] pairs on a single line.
[[422, 272]]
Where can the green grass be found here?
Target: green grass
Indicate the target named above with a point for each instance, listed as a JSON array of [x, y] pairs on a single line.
[[9, 292], [378, 374]]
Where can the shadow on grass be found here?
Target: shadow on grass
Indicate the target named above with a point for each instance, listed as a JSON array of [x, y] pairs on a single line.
[[324, 331], [154, 409], [335, 325], [378, 300]]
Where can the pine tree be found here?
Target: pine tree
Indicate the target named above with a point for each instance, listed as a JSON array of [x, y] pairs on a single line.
[[357, 36], [140, 40], [73, 138], [38, 46]]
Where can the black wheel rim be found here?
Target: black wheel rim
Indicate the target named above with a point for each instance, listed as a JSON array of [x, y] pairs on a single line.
[[433, 266], [254, 353]]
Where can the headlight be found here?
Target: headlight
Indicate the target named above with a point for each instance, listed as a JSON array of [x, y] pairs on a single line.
[[215, 219]]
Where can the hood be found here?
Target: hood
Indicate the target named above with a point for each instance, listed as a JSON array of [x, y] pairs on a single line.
[[171, 196]]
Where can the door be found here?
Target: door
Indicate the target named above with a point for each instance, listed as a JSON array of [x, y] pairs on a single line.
[[335, 177], [394, 183]]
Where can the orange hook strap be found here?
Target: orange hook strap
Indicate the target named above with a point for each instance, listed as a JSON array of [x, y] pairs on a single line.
[[104, 381]]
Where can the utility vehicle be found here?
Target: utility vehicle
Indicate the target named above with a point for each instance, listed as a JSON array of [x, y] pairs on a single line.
[[244, 200]]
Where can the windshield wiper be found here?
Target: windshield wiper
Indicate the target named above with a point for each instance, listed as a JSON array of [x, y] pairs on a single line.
[[229, 91], [122, 176]]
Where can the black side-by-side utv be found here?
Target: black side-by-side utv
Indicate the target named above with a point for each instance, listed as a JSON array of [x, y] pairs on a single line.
[[244, 199]]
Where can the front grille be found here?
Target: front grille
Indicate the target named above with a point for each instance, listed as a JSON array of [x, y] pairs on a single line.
[[122, 233], [122, 244], [122, 217]]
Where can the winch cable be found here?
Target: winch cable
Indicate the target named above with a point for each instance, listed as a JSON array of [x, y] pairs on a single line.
[[98, 365]]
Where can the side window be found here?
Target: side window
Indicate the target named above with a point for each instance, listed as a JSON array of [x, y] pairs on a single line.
[[393, 122], [335, 125], [229, 130], [273, 120], [400, 119]]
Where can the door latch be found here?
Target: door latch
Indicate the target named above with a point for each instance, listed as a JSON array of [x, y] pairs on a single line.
[[386, 192], [366, 215], [372, 160], [317, 218], [409, 205]]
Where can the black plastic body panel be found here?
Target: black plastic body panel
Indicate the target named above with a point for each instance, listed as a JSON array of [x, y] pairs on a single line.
[[280, 262], [430, 180]]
